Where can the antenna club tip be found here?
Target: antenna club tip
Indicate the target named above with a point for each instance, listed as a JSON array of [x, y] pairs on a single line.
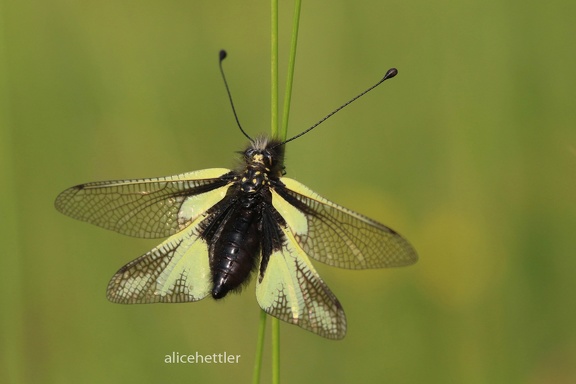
[[222, 54], [390, 73]]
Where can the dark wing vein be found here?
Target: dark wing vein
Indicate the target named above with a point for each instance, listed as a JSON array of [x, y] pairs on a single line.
[[147, 208], [340, 237]]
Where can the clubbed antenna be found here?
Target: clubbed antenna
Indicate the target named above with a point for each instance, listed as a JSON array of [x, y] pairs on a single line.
[[389, 74], [222, 56]]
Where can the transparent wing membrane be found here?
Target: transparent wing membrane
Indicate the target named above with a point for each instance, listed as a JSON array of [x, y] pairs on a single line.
[[338, 236], [148, 208]]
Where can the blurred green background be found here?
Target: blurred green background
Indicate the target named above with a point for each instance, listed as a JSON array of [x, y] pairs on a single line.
[[470, 153]]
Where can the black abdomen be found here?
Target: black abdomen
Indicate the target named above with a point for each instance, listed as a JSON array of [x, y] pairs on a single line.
[[235, 252]]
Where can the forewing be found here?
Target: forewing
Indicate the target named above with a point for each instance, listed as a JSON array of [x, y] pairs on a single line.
[[338, 236], [149, 208], [176, 271], [292, 291]]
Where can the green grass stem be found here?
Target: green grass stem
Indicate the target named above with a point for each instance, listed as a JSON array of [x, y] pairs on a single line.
[[282, 135]]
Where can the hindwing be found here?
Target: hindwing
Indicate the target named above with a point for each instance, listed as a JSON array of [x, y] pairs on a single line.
[[311, 226], [291, 290], [178, 270]]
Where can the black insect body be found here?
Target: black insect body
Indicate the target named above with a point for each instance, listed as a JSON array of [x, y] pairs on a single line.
[[235, 235]]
